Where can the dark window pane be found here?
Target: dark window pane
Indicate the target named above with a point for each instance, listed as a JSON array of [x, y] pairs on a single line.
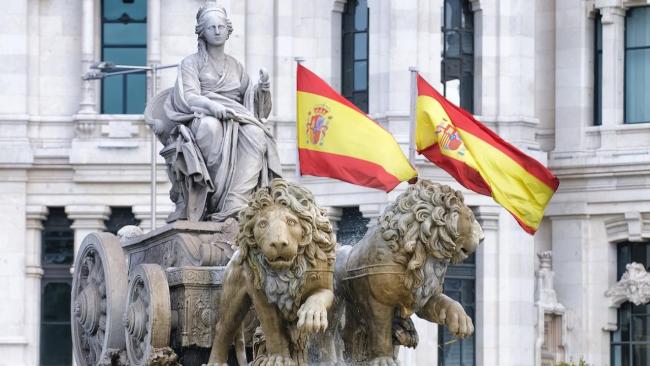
[[57, 238], [125, 34], [352, 226], [120, 216], [360, 75], [127, 56], [56, 345], [618, 358], [641, 354], [56, 302], [361, 16], [113, 9], [361, 46], [637, 28], [458, 53], [137, 92], [113, 95], [637, 85]]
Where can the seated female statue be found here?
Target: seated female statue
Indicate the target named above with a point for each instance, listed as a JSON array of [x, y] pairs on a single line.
[[229, 151]]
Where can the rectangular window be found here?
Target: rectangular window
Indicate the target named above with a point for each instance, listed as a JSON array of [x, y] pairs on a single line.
[[460, 285], [458, 54], [124, 42], [354, 85], [630, 343], [637, 65]]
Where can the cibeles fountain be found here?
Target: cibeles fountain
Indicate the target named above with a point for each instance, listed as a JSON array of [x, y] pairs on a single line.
[[247, 270]]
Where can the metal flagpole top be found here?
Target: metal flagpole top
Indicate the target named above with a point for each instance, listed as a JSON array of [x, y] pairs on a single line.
[[414, 94], [299, 60]]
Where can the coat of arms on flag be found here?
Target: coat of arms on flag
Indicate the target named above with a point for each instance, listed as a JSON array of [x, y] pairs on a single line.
[[318, 120]]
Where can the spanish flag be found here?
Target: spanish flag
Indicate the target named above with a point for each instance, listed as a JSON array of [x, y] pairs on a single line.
[[480, 160], [337, 140]]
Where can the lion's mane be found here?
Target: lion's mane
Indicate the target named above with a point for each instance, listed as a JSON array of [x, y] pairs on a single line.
[[318, 240], [422, 222]]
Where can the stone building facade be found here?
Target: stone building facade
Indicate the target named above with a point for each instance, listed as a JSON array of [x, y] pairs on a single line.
[[564, 80]]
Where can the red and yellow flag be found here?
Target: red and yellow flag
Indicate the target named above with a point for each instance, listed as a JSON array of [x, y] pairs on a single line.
[[480, 160], [337, 140]]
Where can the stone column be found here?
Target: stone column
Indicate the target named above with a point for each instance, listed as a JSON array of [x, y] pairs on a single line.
[[613, 76], [573, 76], [35, 216], [487, 320], [372, 212], [334, 214], [86, 219], [143, 214], [259, 37], [153, 39], [336, 54], [584, 263], [88, 98]]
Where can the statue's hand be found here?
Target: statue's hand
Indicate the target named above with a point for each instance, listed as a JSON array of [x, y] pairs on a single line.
[[221, 112], [264, 83], [454, 317], [312, 315]]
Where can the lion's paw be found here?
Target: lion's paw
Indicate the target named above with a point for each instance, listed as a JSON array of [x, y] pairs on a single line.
[[383, 361], [456, 319], [277, 360]]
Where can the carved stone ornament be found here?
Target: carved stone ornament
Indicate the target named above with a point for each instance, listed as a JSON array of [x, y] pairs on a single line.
[[634, 286]]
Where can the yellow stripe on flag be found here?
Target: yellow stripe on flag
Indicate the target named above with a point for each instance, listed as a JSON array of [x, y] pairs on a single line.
[[352, 134]]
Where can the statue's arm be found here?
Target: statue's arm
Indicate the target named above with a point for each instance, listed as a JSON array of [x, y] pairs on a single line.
[[192, 92], [262, 96], [235, 303]]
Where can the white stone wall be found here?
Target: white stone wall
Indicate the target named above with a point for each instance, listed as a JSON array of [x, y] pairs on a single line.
[[534, 86]]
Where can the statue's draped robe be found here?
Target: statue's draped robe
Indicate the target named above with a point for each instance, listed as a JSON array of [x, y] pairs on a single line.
[[235, 155]]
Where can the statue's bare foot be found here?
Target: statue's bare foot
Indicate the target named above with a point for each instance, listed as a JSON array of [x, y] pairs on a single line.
[[277, 360], [383, 361]]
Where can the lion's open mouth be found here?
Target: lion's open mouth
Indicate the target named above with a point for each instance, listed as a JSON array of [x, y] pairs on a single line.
[[279, 263]]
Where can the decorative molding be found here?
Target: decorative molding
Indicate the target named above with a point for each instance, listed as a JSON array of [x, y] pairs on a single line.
[[547, 304], [488, 216], [88, 216], [631, 226], [338, 6], [476, 5], [634, 286], [35, 215]]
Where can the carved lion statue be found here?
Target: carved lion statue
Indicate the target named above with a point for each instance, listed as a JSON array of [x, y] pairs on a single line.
[[284, 267], [398, 269]]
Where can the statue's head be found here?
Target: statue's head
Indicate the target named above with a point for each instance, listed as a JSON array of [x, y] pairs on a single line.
[[212, 26]]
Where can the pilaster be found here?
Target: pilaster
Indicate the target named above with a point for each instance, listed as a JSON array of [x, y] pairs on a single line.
[[86, 219], [143, 214], [334, 214], [35, 215], [613, 76], [88, 87], [487, 288]]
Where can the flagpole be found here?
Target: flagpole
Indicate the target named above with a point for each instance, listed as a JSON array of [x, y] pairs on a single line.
[[299, 60], [414, 74]]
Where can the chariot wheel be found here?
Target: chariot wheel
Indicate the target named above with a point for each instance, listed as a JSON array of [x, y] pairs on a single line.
[[98, 299], [148, 314]]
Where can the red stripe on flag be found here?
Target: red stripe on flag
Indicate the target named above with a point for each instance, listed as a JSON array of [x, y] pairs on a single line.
[[463, 173], [468, 123], [309, 82], [345, 168]]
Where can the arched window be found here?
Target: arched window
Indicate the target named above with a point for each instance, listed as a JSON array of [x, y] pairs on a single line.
[[124, 42], [637, 65], [458, 53], [630, 343], [460, 285], [120, 216], [354, 85], [57, 257]]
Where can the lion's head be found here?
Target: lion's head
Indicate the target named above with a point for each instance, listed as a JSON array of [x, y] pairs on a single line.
[[429, 219], [283, 229]]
